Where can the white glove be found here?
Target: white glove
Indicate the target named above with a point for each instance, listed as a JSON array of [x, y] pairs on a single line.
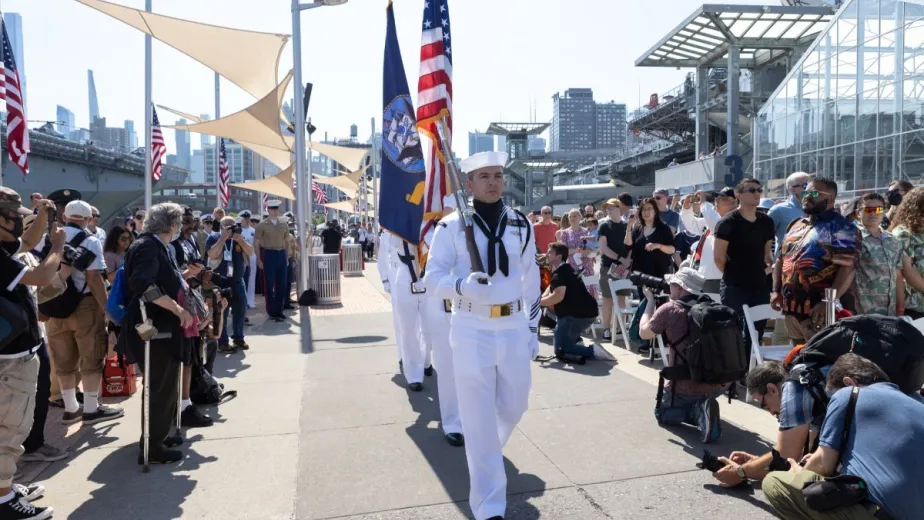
[[534, 344], [387, 286], [473, 290]]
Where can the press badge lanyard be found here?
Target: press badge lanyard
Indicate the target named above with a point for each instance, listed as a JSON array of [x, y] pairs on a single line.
[[228, 259]]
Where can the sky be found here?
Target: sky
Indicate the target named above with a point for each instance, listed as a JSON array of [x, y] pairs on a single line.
[[508, 56]]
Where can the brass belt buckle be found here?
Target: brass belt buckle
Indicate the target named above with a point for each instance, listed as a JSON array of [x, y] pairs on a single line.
[[447, 305], [500, 311]]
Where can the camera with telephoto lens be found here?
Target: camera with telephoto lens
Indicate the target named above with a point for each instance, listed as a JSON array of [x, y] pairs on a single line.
[[210, 280], [652, 282], [236, 229]]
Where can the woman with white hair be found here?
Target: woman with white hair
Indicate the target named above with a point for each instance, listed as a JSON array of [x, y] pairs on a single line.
[[152, 276]]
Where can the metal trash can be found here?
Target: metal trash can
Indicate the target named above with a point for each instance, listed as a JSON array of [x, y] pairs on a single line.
[[315, 245], [352, 260], [324, 277]]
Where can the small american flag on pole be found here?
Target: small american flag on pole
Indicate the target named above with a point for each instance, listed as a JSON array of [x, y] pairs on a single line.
[[265, 202], [17, 133], [158, 147], [434, 102], [319, 194], [224, 191]]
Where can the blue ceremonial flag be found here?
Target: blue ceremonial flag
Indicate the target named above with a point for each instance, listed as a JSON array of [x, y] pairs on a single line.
[[403, 176]]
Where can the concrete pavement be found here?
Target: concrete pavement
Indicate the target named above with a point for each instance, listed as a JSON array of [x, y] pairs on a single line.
[[324, 428]]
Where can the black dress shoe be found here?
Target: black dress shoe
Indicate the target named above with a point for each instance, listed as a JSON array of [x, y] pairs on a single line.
[[455, 439], [415, 387], [428, 371], [172, 441], [496, 518], [193, 418], [162, 456]]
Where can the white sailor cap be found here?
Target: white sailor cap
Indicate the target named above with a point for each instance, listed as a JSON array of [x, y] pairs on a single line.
[[449, 201], [273, 204], [484, 160], [197, 214], [245, 213]]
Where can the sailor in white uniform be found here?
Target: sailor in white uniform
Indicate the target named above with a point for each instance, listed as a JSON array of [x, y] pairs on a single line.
[[408, 300], [437, 321], [493, 324]]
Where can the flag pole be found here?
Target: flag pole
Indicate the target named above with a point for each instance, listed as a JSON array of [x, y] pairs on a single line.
[[375, 189], [148, 119], [217, 144]]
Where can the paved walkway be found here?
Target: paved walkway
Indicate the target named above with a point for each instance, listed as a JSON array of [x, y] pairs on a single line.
[[324, 428]]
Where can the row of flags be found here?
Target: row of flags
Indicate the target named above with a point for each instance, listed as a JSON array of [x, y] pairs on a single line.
[[17, 131], [413, 176]]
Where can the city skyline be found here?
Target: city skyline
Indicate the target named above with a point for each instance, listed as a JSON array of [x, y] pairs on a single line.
[[487, 87]]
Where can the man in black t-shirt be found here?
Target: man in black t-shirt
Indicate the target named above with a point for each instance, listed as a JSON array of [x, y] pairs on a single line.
[[743, 251], [19, 364], [331, 238], [574, 307], [612, 238]]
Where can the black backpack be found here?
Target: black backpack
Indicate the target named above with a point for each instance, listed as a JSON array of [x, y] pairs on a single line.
[[891, 342], [717, 353], [204, 389], [65, 304]]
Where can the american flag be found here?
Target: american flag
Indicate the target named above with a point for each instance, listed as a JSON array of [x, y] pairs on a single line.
[[265, 202], [158, 147], [224, 191], [17, 133], [434, 102], [319, 194]]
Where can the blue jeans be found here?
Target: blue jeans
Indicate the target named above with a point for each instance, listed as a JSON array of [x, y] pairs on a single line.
[[687, 409], [238, 311], [568, 336]]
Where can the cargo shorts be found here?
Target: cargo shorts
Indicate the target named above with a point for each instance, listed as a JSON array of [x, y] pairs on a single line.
[[17, 404]]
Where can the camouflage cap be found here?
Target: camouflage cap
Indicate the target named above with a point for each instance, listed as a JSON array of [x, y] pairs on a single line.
[[12, 202]]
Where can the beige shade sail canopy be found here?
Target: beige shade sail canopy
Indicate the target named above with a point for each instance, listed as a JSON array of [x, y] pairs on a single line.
[[280, 158], [341, 182], [351, 158], [346, 206], [248, 59], [257, 124], [279, 185]]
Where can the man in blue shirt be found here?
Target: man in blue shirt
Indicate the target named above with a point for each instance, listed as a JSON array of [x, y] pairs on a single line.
[[881, 447], [785, 212], [667, 215], [227, 250]]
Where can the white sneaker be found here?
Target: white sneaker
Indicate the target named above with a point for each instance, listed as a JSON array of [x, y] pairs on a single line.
[[602, 354]]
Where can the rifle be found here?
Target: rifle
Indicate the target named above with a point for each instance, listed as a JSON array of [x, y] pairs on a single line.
[[455, 182]]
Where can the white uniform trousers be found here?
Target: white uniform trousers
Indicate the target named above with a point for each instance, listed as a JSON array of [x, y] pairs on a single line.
[[493, 380], [407, 309], [437, 321], [252, 282]]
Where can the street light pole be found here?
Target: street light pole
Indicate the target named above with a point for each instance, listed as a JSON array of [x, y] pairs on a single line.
[[148, 119], [302, 197]]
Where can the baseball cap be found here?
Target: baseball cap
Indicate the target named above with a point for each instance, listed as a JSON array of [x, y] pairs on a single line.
[[12, 202], [611, 202], [77, 209], [726, 192]]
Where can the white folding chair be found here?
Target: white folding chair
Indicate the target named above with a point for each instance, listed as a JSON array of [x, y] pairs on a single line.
[[621, 313], [919, 324], [759, 352], [663, 349]]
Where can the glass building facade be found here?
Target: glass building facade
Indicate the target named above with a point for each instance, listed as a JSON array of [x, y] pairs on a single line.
[[852, 107]]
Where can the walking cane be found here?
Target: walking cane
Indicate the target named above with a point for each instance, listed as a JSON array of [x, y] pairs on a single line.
[[179, 400], [146, 393]]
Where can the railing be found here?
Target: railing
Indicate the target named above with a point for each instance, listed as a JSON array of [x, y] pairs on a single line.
[[698, 174], [680, 91]]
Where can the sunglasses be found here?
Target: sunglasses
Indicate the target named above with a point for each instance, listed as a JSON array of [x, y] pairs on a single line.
[[125, 238], [875, 210], [94, 216], [803, 185], [813, 194], [139, 217], [753, 190], [546, 212]]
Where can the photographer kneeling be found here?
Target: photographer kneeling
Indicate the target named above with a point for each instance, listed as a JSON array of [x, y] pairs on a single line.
[[684, 401], [872, 430], [575, 308], [227, 250], [153, 277]]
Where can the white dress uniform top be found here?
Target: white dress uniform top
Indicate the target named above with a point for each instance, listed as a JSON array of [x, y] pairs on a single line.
[[438, 323], [491, 336], [408, 308], [248, 234]]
